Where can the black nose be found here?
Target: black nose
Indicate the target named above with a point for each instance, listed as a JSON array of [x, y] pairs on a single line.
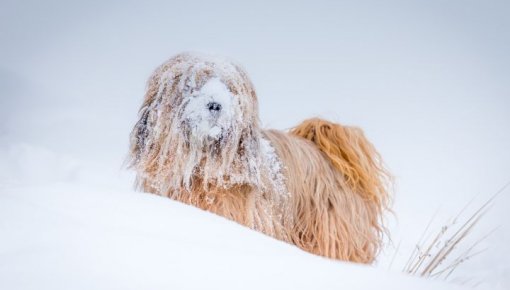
[[214, 107]]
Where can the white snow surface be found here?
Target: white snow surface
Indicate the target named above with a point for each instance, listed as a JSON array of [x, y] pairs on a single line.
[[65, 236]]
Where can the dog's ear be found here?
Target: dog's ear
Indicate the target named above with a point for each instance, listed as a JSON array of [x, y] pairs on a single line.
[[247, 142], [139, 134], [146, 119], [161, 97]]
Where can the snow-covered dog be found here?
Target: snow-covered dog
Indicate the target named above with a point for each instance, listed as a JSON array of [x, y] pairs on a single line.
[[320, 186]]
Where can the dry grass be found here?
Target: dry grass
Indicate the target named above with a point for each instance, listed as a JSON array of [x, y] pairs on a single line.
[[437, 256]]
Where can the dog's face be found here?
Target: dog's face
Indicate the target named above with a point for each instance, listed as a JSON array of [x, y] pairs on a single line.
[[209, 113], [199, 118]]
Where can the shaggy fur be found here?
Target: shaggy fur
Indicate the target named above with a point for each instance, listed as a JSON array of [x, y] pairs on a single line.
[[320, 186]]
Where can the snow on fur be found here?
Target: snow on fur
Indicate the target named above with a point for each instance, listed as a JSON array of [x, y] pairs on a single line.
[[222, 148]]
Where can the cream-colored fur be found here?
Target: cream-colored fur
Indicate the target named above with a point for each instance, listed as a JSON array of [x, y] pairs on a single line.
[[320, 186]]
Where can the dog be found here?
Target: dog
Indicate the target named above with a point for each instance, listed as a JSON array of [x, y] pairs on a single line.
[[198, 140]]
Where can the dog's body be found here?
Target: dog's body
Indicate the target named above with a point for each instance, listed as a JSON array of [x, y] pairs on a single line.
[[320, 186]]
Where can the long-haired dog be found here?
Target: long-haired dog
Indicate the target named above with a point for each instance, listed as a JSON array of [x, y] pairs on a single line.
[[198, 140]]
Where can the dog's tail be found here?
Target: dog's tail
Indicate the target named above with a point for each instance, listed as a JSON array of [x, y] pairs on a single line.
[[352, 155]]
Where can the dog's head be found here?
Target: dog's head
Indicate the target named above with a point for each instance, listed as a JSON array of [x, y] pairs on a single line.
[[199, 118]]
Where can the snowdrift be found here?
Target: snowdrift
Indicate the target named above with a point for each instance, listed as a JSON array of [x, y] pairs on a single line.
[[64, 236]]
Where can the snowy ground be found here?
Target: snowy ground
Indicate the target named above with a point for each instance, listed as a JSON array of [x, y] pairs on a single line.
[[68, 237], [429, 84]]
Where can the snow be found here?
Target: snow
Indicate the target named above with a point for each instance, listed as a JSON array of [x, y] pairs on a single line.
[[68, 237], [431, 95], [274, 165], [196, 109]]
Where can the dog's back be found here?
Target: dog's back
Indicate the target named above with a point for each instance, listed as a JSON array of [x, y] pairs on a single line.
[[198, 141], [338, 189]]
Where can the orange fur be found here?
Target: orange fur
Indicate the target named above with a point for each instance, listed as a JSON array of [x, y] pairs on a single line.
[[334, 188], [351, 154]]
